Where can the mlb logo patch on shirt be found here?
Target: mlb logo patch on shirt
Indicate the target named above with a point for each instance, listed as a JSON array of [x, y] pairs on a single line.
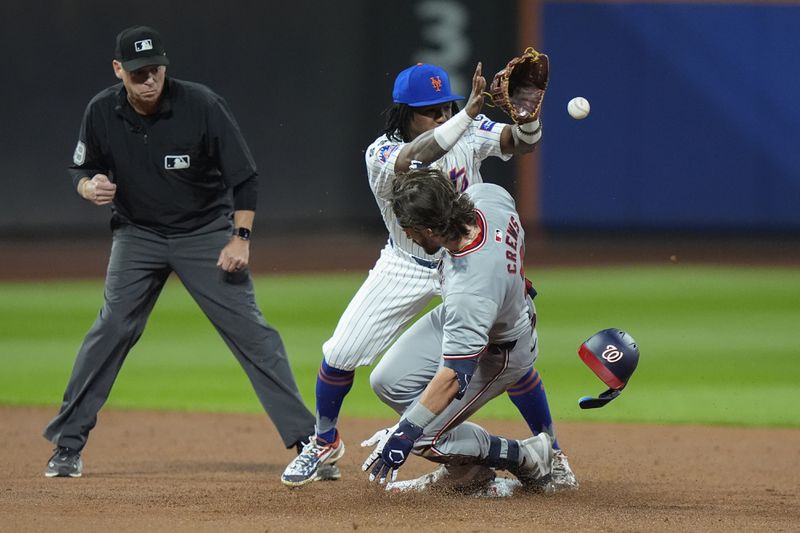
[[176, 162]]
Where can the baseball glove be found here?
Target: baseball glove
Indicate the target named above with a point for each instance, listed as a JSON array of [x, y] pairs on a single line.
[[519, 88]]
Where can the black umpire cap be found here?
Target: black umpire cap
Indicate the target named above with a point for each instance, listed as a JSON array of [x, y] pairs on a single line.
[[140, 46]]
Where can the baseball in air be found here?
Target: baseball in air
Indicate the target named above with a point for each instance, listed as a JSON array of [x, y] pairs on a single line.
[[578, 108]]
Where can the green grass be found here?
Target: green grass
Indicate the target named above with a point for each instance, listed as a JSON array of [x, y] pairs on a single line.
[[719, 344]]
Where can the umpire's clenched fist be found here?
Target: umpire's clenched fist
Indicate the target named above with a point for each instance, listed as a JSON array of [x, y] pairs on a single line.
[[98, 190]]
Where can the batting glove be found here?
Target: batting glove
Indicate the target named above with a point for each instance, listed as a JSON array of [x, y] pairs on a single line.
[[379, 441], [395, 451]]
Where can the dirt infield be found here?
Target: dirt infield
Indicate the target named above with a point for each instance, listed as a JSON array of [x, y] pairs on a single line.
[[155, 471]]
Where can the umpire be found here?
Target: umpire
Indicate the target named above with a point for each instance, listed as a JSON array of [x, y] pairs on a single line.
[[169, 158]]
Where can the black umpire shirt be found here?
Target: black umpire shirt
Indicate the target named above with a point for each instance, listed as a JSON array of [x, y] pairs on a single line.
[[174, 169]]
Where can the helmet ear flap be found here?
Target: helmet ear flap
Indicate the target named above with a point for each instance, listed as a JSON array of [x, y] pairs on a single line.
[[613, 355]]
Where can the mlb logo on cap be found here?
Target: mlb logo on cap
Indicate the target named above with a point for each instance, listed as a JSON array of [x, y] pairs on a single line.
[[141, 46], [423, 85]]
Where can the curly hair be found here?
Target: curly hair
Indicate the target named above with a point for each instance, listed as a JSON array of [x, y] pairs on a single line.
[[398, 121], [425, 198]]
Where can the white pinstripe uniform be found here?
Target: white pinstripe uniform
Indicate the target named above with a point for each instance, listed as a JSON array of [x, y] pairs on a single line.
[[485, 316], [404, 279]]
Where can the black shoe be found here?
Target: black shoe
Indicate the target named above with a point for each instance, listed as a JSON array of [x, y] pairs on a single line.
[[65, 462]]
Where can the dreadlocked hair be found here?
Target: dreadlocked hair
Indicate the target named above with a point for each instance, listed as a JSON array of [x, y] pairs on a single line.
[[398, 121], [425, 198]]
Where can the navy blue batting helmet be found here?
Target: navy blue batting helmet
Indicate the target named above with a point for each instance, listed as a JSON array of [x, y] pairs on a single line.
[[612, 354]]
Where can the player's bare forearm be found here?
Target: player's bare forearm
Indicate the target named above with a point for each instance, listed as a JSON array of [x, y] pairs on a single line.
[[509, 146], [441, 390], [424, 149]]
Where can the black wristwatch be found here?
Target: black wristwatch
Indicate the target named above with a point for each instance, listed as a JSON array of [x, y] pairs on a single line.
[[242, 233]]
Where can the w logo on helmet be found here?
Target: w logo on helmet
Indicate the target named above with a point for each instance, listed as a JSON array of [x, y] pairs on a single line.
[[612, 354], [436, 82]]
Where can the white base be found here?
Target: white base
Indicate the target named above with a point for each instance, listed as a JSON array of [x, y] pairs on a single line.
[[501, 487]]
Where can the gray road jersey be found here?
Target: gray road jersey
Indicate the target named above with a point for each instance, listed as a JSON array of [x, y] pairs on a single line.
[[462, 164], [483, 286]]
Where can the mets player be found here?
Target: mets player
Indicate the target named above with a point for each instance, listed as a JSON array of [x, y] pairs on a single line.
[[424, 127], [471, 348]]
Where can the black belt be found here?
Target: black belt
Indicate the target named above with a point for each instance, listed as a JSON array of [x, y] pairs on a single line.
[[420, 261]]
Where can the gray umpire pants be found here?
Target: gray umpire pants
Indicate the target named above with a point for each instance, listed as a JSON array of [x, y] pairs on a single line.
[[139, 265]]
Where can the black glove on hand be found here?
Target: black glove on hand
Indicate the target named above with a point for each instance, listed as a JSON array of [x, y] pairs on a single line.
[[396, 451]]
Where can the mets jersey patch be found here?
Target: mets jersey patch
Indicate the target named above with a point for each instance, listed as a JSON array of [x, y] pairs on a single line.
[[386, 151], [176, 162], [80, 154]]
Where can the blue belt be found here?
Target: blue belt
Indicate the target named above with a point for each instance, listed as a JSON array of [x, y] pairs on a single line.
[[425, 262], [420, 261]]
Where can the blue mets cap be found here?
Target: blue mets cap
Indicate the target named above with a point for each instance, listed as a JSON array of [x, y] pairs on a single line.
[[423, 85]]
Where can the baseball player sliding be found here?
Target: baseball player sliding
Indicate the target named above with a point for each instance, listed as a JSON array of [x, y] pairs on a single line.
[[424, 127], [484, 328]]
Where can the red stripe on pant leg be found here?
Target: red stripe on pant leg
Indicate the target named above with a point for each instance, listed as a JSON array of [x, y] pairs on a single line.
[[446, 427]]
